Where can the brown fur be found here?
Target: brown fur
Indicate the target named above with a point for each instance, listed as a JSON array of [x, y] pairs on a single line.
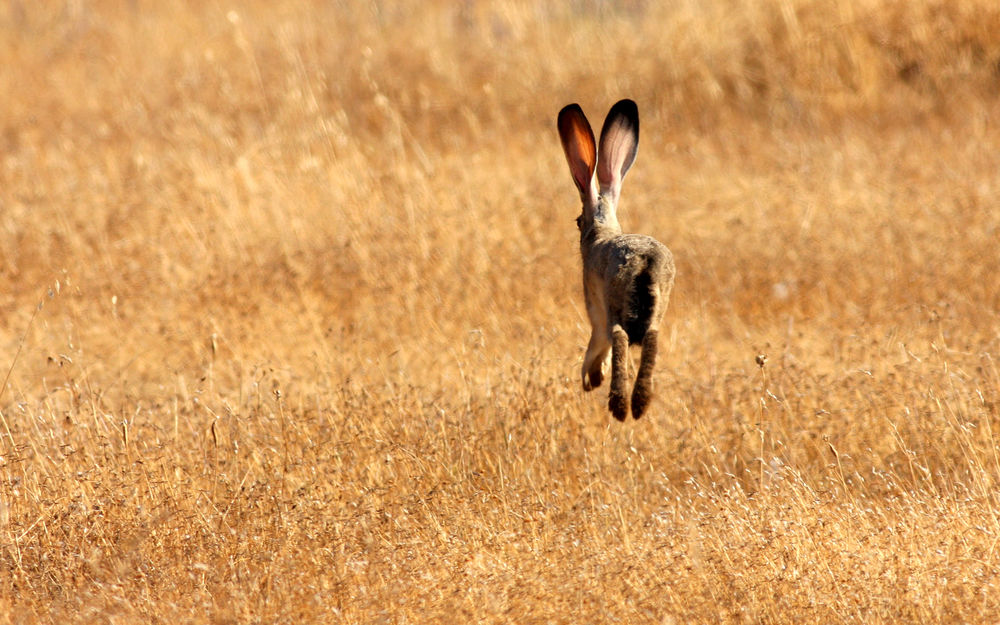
[[618, 395], [642, 392]]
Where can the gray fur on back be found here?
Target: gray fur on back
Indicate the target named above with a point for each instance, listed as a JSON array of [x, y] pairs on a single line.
[[635, 274]]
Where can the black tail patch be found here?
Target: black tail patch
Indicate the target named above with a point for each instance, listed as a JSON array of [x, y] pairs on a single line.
[[641, 301]]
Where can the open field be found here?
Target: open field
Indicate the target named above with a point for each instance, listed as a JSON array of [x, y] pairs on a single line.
[[291, 317]]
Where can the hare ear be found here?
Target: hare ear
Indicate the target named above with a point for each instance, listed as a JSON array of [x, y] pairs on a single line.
[[580, 148], [619, 143]]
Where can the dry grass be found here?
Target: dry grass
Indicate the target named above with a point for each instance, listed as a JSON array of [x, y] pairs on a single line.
[[290, 298]]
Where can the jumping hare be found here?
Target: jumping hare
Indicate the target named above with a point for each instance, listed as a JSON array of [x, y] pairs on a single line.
[[626, 277]]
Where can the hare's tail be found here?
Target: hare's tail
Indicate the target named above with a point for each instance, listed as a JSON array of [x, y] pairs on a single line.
[[643, 298]]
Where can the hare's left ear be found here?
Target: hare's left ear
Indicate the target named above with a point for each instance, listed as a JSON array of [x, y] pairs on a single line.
[[619, 143], [580, 148]]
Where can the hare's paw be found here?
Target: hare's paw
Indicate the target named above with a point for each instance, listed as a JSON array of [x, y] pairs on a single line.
[[618, 405], [642, 395], [595, 377]]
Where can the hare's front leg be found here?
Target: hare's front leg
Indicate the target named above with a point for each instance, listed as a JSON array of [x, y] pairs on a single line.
[[593, 360]]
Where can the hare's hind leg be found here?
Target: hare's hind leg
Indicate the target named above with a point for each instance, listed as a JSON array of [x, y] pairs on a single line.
[[642, 393], [618, 395]]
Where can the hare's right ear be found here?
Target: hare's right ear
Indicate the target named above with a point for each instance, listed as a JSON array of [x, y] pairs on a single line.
[[580, 148], [619, 143]]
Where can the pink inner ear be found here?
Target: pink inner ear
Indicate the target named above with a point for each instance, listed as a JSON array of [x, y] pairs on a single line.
[[619, 142], [618, 148]]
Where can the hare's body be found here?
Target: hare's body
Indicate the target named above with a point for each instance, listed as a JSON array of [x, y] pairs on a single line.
[[624, 280], [627, 278]]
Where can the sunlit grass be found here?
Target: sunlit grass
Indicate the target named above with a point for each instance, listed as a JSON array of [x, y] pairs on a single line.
[[297, 295]]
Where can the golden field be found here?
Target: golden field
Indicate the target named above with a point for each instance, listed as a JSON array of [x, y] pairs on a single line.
[[291, 318]]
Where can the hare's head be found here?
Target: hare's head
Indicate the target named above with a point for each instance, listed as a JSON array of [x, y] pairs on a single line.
[[619, 142]]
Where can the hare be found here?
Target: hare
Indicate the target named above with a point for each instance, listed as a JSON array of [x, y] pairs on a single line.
[[627, 278]]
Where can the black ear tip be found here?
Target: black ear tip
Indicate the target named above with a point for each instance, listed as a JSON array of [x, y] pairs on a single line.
[[628, 103], [627, 108]]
